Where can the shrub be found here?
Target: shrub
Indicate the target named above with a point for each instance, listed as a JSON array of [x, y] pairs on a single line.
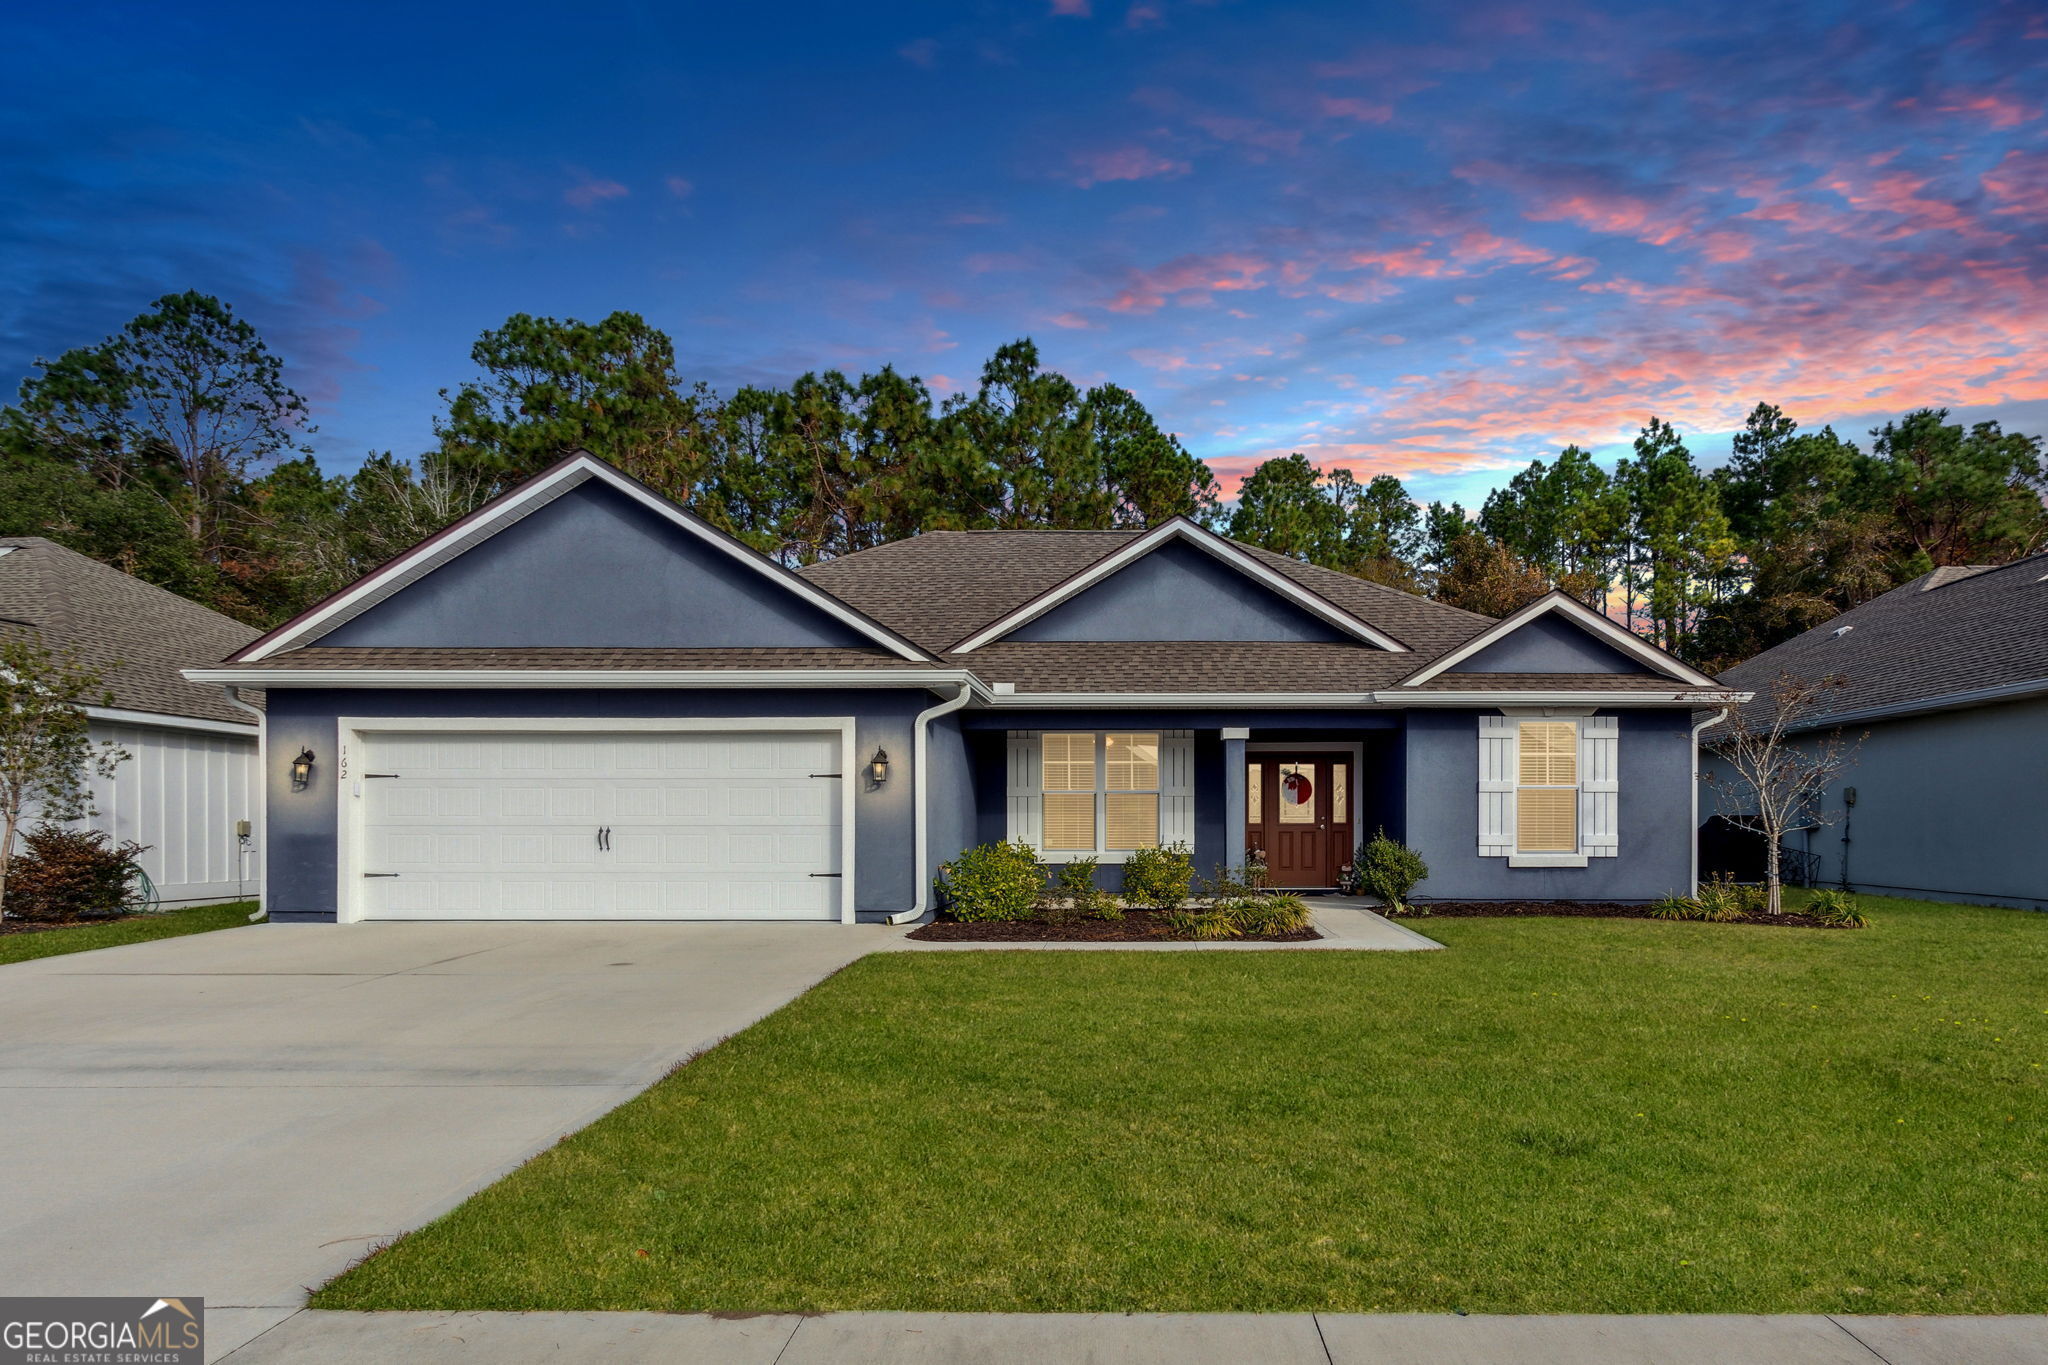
[[1225, 884], [1159, 877], [1722, 899], [1203, 924], [1832, 905], [62, 874], [1389, 869], [996, 881], [1676, 907], [1083, 896], [1266, 914]]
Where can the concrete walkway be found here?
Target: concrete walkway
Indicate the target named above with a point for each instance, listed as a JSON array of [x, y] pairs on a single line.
[[240, 1115], [311, 1338]]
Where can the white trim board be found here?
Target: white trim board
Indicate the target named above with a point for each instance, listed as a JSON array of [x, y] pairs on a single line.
[[471, 678], [1180, 528], [493, 517], [116, 716], [1592, 622], [348, 789]]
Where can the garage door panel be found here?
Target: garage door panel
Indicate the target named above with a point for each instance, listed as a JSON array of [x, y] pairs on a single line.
[[505, 825]]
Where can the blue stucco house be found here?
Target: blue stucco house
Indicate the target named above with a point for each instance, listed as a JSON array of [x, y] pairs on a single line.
[[582, 701], [1941, 685]]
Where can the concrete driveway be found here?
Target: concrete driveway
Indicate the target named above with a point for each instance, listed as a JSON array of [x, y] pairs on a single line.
[[239, 1115]]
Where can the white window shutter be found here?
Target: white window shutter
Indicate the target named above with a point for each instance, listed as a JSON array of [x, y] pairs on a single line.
[[1497, 735], [1177, 787], [1599, 786], [1026, 820]]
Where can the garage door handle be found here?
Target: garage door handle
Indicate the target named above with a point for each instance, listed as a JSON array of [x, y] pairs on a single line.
[[380, 874], [824, 874], [604, 838]]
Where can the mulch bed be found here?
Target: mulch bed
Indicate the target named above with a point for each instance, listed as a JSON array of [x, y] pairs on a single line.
[[1595, 910], [1137, 926], [23, 926]]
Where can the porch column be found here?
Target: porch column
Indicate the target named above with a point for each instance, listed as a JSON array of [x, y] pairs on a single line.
[[1233, 797]]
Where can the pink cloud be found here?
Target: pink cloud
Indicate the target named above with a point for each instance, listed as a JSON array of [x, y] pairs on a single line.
[[2020, 183], [1191, 279], [1364, 111], [679, 188], [1998, 110], [922, 52], [589, 191], [1125, 163], [1076, 9], [1143, 15], [1073, 322]]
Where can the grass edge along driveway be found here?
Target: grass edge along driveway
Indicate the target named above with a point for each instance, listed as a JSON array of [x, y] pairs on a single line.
[[1562, 1115], [78, 938]]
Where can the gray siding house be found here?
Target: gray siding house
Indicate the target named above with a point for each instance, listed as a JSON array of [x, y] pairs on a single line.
[[582, 701], [1945, 682]]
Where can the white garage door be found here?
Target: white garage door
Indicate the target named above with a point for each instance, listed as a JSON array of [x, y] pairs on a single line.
[[497, 825]]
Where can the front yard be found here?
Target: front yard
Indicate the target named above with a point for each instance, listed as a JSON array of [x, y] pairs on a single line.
[[1568, 1115], [22, 943]]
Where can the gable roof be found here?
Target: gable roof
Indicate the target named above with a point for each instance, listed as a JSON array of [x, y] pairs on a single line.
[[137, 634], [1569, 608], [1958, 635], [508, 508], [1184, 531]]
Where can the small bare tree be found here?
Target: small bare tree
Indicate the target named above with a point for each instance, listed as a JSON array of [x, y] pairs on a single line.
[[47, 754], [1778, 767]]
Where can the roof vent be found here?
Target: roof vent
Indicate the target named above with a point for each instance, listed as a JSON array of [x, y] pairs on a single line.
[[1840, 631]]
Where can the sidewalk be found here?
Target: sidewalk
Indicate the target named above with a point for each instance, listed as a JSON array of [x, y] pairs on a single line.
[[1145, 1339]]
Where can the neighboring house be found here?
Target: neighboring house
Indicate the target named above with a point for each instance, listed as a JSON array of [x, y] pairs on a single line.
[[191, 770], [584, 701], [1945, 681]]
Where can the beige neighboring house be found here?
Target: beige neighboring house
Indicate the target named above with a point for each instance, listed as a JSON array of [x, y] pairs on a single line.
[[192, 772]]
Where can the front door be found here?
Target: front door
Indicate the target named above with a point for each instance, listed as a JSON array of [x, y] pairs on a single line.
[[1298, 813]]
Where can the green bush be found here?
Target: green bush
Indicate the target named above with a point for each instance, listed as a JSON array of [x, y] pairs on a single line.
[[1723, 899], [1266, 914], [1227, 884], [65, 874], [1159, 877], [1389, 869], [1832, 905], [1076, 884], [1676, 907], [1202, 924], [996, 881]]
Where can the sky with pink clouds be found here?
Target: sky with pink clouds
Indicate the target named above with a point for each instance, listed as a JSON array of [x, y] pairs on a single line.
[[1434, 241]]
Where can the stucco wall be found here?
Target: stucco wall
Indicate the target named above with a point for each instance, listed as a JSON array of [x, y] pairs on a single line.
[[1177, 592], [301, 830], [1550, 644], [594, 569], [1655, 808], [1947, 807]]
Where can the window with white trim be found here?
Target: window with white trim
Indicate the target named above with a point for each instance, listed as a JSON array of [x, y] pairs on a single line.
[[1101, 791], [1547, 787]]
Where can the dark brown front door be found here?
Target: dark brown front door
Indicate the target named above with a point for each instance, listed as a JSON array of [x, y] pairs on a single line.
[[1298, 812]]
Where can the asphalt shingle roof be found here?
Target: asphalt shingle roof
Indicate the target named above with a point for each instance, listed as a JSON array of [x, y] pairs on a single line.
[[1960, 629], [137, 634]]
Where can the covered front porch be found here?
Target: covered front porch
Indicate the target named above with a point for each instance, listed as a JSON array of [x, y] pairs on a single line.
[[1299, 789]]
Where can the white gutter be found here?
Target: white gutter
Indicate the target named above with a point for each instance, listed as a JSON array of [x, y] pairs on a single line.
[[585, 677], [234, 697], [1706, 724], [919, 731], [1691, 696], [114, 715]]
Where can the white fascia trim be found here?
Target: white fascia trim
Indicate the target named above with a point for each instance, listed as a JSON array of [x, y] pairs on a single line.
[[576, 471], [115, 716], [470, 678], [351, 730], [1214, 545], [1111, 700], [1607, 631], [1605, 701]]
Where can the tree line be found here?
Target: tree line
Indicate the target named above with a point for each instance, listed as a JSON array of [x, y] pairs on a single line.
[[177, 451]]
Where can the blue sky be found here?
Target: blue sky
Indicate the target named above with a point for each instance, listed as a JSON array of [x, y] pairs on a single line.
[[1434, 241]]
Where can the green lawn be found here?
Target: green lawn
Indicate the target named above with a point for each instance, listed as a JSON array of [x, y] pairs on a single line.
[[1552, 1116], [21, 947]]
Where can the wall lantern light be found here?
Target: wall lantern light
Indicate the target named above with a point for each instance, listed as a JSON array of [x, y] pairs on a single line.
[[878, 767], [302, 770]]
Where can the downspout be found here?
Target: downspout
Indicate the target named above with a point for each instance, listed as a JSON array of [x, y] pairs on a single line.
[[234, 696], [921, 766], [1706, 724]]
